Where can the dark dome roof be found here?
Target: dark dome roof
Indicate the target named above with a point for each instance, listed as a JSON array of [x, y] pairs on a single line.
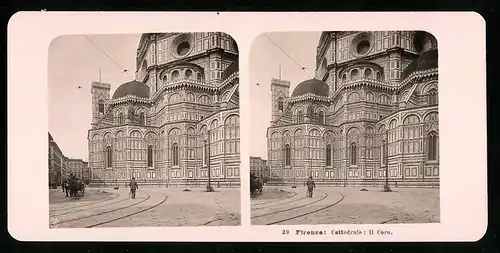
[[134, 88], [313, 86], [426, 60], [232, 68]]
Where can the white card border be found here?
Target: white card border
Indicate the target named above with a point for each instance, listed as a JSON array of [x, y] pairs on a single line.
[[462, 77]]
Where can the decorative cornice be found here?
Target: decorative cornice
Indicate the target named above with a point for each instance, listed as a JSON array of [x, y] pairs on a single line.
[[308, 96], [419, 74]]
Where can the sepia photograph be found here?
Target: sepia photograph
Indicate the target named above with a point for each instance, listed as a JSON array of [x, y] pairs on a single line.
[[344, 128], [144, 130], [348, 127]]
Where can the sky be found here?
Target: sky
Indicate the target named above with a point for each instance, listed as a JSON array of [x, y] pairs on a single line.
[[74, 61], [265, 60]]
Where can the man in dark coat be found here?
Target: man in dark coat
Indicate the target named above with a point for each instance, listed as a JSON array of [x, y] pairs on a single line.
[[65, 187], [133, 187], [310, 186]]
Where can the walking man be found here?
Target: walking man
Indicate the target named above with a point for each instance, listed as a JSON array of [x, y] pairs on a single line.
[[310, 186], [66, 187], [133, 187]]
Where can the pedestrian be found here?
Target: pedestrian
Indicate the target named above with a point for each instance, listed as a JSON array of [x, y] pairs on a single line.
[[310, 186], [133, 187], [62, 184], [66, 187]]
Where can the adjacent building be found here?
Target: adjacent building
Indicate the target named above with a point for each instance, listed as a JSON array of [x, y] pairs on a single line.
[[372, 109], [57, 163], [179, 118], [258, 167], [79, 168]]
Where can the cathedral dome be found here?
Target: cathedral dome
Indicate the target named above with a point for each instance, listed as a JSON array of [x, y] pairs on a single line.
[[426, 60], [133, 88], [232, 68], [313, 86]]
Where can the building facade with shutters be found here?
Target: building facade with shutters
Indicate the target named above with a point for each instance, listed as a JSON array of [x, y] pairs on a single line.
[[178, 121], [58, 163], [79, 168], [372, 108]]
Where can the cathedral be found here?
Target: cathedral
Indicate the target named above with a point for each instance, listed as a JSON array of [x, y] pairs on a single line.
[[371, 112], [178, 122]]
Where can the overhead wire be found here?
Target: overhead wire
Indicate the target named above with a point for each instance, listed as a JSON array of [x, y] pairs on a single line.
[[109, 57], [302, 68]]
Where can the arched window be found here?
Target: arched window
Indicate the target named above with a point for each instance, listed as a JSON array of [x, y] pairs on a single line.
[[280, 104], [121, 119], [432, 97], [354, 157], [432, 152], [287, 155], [175, 155], [188, 74], [328, 155], [198, 77], [368, 74], [101, 106], [300, 117], [150, 156], [142, 119], [109, 157], [175, 75], [321, 117]]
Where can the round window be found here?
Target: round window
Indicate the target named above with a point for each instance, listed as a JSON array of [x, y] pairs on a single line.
[[354, 74], [183, 48], [368, 73], [362, 44], [363, 47], [189, 74]]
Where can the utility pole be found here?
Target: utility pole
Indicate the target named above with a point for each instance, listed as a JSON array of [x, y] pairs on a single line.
[[209, 186], [387, 188]]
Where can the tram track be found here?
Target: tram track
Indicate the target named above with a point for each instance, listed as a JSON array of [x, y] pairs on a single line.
[[129, 215], [288, 202], [87, 209], [292, 208], [289, 210], [275, 200], [93, 203], [307, 213], [105, 212]]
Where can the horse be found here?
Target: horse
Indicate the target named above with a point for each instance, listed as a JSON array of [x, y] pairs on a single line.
[[73, 187], [76, 186], [255, 185]]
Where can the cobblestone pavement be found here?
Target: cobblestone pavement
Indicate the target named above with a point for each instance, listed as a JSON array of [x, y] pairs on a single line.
[[403, 205], [152, 207]]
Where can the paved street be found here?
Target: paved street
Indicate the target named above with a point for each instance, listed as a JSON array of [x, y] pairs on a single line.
[[153, 207], [288, 206]]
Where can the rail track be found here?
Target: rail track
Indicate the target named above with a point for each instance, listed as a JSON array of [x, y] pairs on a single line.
[[148, 196], [93, 203], [130, 214], [275, 200], [284, 212], [102, 204]]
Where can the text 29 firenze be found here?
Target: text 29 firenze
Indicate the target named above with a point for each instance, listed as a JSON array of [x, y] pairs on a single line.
[[301, 232]]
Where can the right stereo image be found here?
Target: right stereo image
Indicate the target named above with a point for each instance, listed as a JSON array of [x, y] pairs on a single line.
[[344, 128]]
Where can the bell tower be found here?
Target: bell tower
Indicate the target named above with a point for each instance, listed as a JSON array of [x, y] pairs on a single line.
[[280, 92], [100, 98]]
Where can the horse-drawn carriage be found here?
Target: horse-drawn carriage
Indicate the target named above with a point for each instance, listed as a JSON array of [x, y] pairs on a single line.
[[75, 187], [255, 185]]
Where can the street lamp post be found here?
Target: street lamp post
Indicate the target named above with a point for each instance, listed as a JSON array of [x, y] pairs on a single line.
[[387, 188], [209, 186]]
